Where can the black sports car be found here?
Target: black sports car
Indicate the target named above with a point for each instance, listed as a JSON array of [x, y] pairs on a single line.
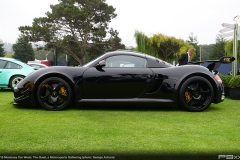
[[123, 77]]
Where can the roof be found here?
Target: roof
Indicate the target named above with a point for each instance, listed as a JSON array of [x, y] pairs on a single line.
[[127, 52]]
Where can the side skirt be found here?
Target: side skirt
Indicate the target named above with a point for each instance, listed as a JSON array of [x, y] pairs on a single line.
[[133, 100]]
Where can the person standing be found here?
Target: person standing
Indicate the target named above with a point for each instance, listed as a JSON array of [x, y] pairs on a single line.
[[238, 72], [185, 58]]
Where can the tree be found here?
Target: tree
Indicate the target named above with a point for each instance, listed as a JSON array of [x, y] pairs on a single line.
[[206, 50], [23, 50], [194, 42], [42, 54], [2, 52], [114, 42], [192, 39], [165, 47], [73, 25], [217, 50], [143, 43], [228, 48], [168, 47]]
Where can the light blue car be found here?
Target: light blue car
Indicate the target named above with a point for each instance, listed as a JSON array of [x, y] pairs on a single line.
[[12, 71]]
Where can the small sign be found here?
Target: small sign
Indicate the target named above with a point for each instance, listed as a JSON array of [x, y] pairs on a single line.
[[227, 25], [225, 35], [225, 30]]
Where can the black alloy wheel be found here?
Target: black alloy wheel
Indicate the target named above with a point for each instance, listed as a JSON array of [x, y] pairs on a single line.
[[54, 94], [196, 94]]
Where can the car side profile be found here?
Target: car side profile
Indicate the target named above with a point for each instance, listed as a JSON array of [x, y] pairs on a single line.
[[122, 77], [12, 71]]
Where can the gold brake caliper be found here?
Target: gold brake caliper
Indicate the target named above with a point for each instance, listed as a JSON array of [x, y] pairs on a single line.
[[187, 95], [63, 91]]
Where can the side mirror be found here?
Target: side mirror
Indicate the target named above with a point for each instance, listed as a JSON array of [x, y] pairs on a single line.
[[101, 64]]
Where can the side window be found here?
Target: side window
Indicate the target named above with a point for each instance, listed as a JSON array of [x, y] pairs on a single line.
[[36, 66], [2, 64], [11, 65], [126, 61]]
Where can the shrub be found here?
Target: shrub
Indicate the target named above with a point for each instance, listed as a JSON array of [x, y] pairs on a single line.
[[225, 79], [234, 82]]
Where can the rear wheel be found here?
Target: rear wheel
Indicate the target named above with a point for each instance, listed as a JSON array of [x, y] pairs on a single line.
[[196, 94], [54, 94], [15, 80]]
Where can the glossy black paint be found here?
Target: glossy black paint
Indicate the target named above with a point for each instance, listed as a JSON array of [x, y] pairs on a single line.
[[159, 82], [114, 83]]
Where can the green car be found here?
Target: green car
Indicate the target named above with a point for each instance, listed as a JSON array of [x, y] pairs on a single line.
[[12, 71]]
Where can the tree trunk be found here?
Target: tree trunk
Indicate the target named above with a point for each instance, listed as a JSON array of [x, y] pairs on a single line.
[[83, 56]]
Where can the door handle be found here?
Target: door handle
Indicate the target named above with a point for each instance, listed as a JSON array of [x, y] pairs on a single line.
[[144, 76]]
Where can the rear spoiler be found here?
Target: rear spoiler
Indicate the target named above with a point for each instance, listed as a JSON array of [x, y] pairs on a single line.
[[214, 64]]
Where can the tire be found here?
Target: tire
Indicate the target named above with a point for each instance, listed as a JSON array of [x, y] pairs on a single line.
[[54, 94], [15, 80], [196, 94]]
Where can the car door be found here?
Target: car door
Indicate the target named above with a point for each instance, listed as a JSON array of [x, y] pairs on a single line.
[[124, 76], [2, 65]]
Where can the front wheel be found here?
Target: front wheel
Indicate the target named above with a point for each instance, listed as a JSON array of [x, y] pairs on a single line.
[[196, 94], [15, 80], [54, 94]]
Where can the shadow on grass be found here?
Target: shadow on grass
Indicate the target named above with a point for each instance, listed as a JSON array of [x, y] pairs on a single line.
[[213, 109], [23, 107], [106, 108], [141, 108], [6, 90], [114, 107], [126, 107]]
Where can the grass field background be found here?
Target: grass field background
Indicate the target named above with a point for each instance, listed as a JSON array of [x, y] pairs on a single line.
[[115, 130]]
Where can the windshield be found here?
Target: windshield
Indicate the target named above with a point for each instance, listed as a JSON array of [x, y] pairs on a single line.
[[93, 61]]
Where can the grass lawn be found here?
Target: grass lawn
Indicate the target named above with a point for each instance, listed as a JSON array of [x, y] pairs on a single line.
[[116, 131]]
